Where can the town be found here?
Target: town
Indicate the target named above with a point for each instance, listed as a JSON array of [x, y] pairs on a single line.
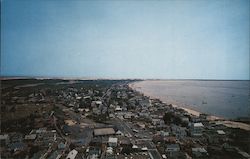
[[106, 119]]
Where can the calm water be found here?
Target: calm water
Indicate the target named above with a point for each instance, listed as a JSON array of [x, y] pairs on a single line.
[[228, 99]]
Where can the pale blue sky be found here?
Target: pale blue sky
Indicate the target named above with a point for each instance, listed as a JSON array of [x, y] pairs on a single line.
[[196, 39]]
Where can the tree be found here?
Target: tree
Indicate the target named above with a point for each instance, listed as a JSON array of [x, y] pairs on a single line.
[[168, 117]]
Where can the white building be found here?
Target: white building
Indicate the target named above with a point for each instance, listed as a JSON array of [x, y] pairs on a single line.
[[72, 154], [164, 133], [118, 108], [109, 150], [221, 132], [112, 142], [4, 138], [30, 137], [197, 129], [119, 133]]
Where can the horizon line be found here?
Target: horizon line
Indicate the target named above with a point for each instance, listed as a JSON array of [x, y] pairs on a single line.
[[110, 78]]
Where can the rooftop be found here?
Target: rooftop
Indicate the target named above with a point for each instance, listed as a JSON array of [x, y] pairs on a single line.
[[198, 125], [199, 149], [104, 131], [173, 146], [221, 132], [72, 154], [30, 137], [4, 137], [113, 139]]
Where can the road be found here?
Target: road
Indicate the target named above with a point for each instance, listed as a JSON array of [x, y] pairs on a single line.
[[153, 152]]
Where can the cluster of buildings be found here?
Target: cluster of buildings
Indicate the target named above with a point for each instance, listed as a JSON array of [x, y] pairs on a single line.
[[113, 121]]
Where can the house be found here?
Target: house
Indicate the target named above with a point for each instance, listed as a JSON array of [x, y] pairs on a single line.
[[164, 156], [119, 133], [112, 142], [96, 111], [125, 108], [93, 152], [111, 116], [109, 150], [16, 137], [78, 98], [180, 132], [4, 139], [104, 131], [156, 121], [199, 152], [86, 97], [203, 116], [72, 154], [112, 106], [118, 108], [173, 148], [80, 109], [41, 130], [144, 102], [30, 137], [141, 125], [104, 110], [170, 139], [127, 116], [164, 133], [96, 103], [144, 114], [185, 119], [18, 146], [215, 136], [135, 147], [243, 154], [124, 141], [61, 145], [196, 129], [221, 132]]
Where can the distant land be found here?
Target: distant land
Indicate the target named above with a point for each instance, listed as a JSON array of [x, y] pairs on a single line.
[[106, 78]]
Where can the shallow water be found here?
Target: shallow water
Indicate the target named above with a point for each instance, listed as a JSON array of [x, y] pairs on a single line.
[[227, 99]]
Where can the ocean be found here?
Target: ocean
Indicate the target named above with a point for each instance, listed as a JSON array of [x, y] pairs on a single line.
[[226, 99]]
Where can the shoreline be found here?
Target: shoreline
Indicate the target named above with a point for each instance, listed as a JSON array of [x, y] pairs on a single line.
[[212, 118], [175, 105]]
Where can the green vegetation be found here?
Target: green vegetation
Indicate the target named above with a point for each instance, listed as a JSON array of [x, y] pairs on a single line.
[[240, 139], [171, 118], [128, 149]]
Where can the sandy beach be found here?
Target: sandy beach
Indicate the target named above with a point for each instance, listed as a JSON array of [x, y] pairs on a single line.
[[190, 111], [218, 120]]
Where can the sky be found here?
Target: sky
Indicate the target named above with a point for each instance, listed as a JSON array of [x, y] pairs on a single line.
[[172, 39]]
